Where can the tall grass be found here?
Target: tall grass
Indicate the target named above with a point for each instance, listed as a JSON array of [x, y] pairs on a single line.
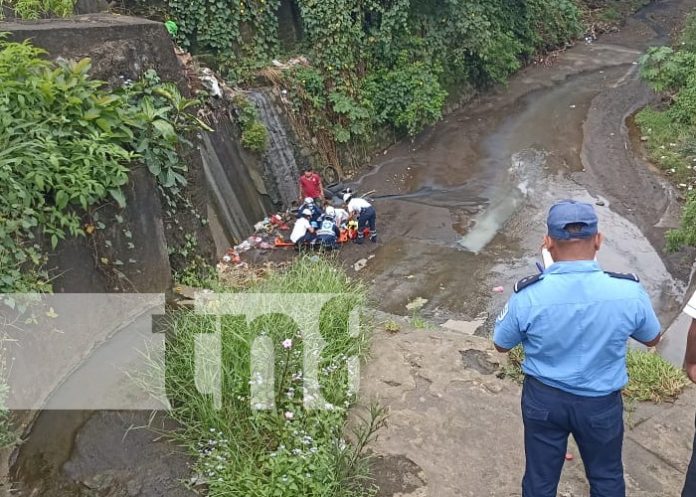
[[250, 448]]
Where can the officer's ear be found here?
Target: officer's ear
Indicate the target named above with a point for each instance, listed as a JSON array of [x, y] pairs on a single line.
[[548, 243], [598, 239]]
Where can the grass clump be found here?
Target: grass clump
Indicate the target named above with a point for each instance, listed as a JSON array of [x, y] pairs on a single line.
[[260, 439], [512, 369], [652, 378]]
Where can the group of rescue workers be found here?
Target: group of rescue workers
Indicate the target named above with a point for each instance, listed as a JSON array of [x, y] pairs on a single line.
[[330, 226]]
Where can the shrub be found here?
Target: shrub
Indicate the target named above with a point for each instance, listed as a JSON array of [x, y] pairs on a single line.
[[408, 97], [66, 144], [255, 137], [254, 132]]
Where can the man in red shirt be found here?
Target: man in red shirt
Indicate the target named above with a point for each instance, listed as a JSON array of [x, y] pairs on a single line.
[[310, 185]]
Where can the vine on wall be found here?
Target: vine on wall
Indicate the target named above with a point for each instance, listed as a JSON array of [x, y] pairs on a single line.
[[377, 63]]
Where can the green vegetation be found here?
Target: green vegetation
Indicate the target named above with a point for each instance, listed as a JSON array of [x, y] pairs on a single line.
[[670, 128], [254, 132], [67, 145], [277, 447], [35, 9], [512, 369], [376, 63], [651, 378], [392, 326]]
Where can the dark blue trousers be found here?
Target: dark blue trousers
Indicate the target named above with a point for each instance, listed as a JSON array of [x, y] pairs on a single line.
[[690, 482], [367, 218], [596, 423]]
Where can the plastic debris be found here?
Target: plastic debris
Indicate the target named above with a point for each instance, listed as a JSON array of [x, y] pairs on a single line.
[[211, 82], [172, 27], [359, 265], [498, 289], [569, 456], [416, 303]]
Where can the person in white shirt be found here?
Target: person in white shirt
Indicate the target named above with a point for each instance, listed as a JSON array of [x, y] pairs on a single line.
[[340, 215], [690, 367], [364, 212], [302, 232]]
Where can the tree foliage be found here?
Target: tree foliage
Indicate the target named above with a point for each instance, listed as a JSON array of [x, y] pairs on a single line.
[[66, 144], [671, 129], [381, 62]]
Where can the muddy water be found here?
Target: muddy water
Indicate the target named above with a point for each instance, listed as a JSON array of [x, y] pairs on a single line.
[[461, 209]]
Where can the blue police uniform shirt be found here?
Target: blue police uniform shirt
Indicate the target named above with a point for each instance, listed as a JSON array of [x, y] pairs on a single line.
[[574, 325]]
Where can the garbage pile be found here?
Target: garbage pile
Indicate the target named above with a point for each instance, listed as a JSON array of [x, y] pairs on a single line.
[[266, 232]]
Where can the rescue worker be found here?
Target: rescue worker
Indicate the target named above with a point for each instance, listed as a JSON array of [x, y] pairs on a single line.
[[303, 232], [311, 184], [689, 489], [311, 205], [327, 234], [340, 215], [362, 210], [573, 321]]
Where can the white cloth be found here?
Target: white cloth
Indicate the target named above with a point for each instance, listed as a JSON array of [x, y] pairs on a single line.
[[300, 229], [341, 216], [690, 309], [357, 204]]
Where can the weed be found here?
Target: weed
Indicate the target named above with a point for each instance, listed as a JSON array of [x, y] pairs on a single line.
[[275, 446], [512, 369], [652, 378], [418, 321], [392, 326]]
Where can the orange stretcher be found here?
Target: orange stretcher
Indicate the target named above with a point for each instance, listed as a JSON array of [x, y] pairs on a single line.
[[344, 236]]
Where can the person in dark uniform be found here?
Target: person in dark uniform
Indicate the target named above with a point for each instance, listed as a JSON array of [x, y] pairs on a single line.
[[574, 321]]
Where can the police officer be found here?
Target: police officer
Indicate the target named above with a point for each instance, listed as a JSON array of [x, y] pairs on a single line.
[[573, 321]]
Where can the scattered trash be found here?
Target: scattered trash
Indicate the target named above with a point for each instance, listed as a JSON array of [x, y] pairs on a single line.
[[359, 265], [242, 275], [498, 289], [573, 106], [599, 203], [416, 303], [569, 456], [211, 82], [410, 277], [643, 138]]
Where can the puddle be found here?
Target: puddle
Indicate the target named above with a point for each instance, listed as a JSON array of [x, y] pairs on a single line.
[[478, 361]]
